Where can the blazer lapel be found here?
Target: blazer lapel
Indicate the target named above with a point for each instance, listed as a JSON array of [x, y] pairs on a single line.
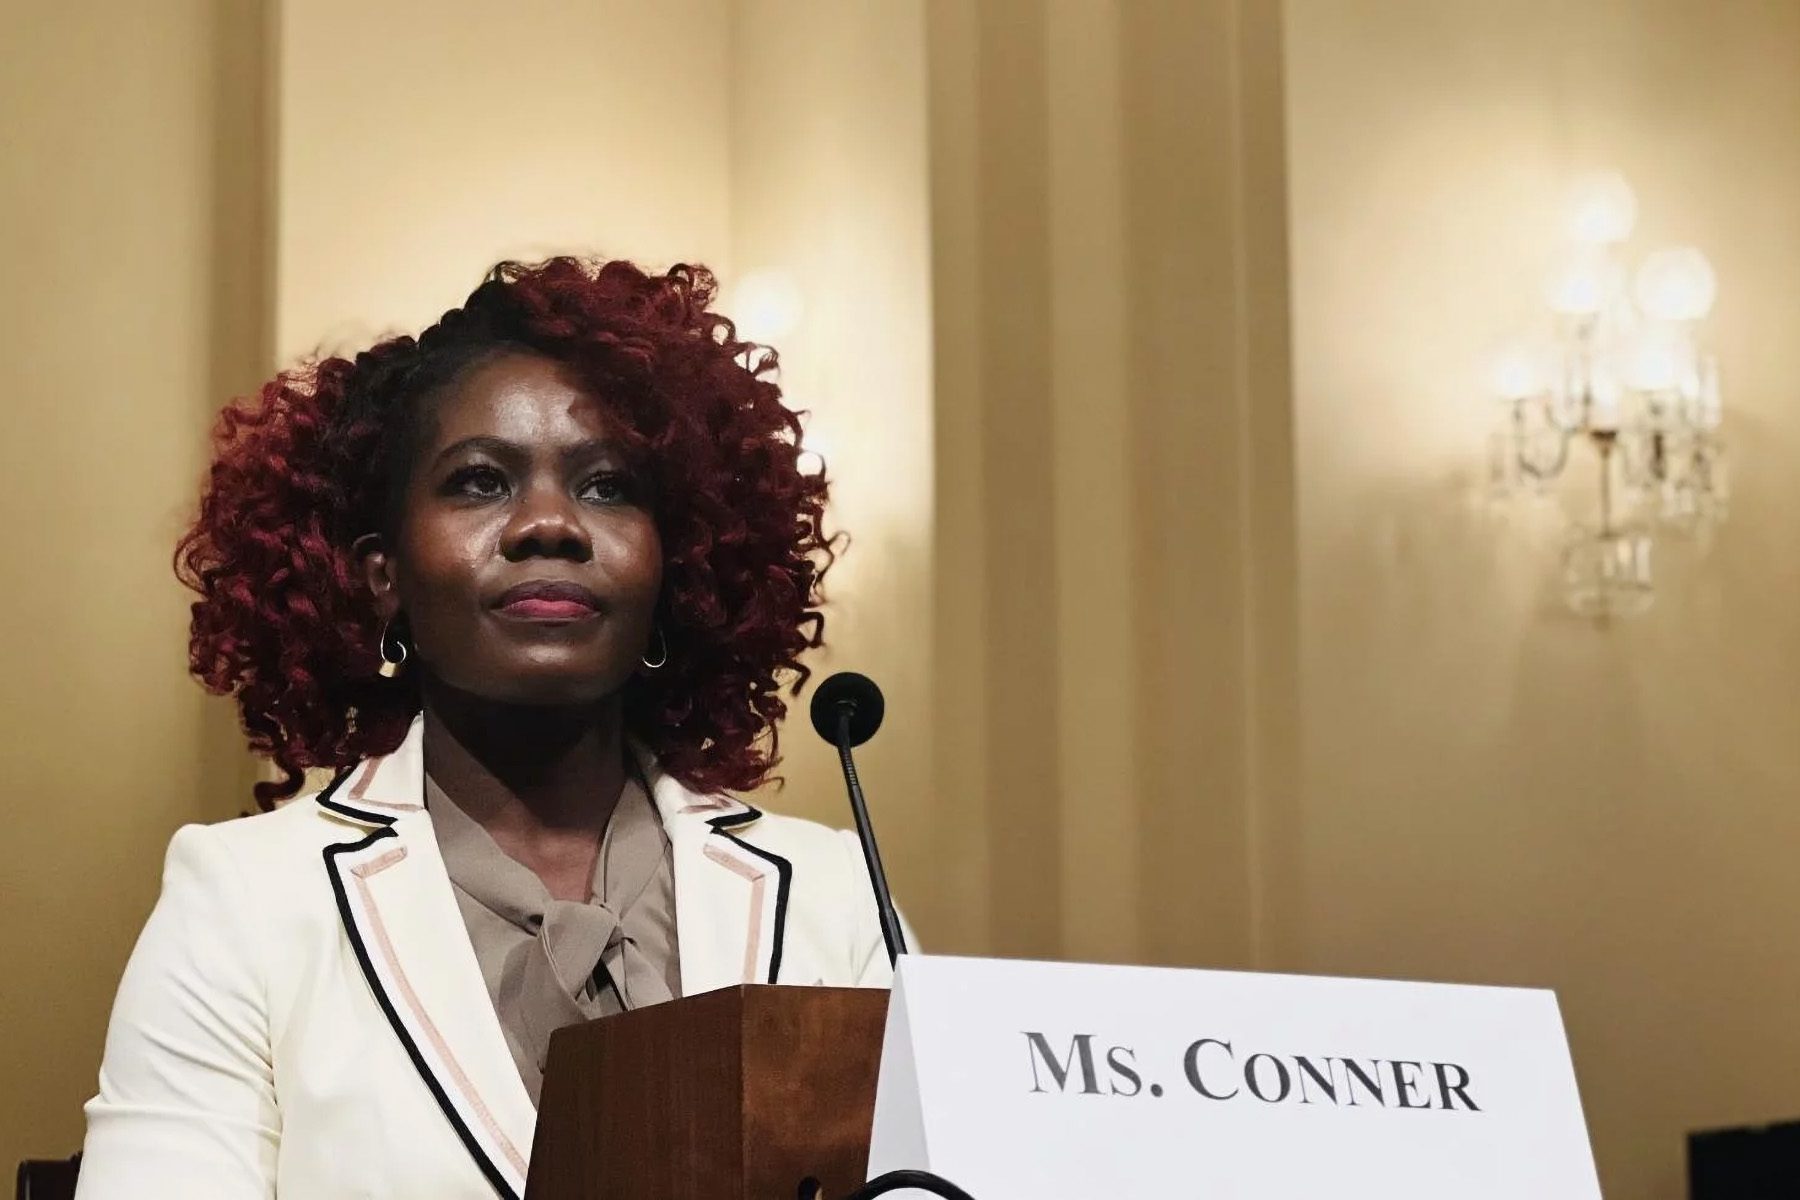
[[403, 922], [731, 897]]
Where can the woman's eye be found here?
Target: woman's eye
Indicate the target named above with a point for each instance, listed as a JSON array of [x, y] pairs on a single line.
[[480, 483], [607, 488]]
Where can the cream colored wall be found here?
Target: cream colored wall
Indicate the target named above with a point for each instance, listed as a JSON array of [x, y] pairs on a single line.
[[422, 141], [1112, 676], [1494, 791], [127, 225]]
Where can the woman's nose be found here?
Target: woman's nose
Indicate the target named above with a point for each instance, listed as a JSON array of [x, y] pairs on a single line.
[[545, 524]]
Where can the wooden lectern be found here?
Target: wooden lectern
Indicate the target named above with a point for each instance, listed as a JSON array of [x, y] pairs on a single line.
[[743, 1094]]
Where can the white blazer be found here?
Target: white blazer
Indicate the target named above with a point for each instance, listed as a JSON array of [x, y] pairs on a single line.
[[303, 1015]]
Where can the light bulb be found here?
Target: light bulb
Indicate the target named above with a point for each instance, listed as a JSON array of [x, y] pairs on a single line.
[[1601, 210], [1604, 395], [1655, 359], [1580, 288], [1677, 284], [1712, 408]]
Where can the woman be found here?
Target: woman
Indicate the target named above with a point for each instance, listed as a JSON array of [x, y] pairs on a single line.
[[527, 584]]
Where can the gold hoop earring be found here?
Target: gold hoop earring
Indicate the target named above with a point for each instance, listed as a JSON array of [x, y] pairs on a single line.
[[663, 651], [394, 651]]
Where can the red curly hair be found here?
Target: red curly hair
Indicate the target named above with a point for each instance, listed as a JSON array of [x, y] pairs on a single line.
[[286, 625]]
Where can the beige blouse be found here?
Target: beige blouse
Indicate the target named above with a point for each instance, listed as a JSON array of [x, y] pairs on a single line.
[[550, 963]]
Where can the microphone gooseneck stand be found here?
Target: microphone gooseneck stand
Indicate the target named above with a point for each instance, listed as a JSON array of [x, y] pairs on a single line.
[[846, 711]]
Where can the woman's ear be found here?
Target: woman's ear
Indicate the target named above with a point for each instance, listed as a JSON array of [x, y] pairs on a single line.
[[378, 572]]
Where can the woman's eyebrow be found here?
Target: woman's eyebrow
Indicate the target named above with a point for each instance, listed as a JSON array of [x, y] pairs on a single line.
[[600, 447], [485, 443], [501, 448]]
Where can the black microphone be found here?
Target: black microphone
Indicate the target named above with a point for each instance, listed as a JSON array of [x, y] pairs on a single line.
[[847, 710]]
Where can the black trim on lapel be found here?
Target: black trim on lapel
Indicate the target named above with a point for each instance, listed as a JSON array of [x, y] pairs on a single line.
[[784, 878], [356, 814], [337, 781], [733, 820], [388, 1010]]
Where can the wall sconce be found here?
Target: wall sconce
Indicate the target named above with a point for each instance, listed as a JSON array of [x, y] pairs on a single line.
[[1620, 382]]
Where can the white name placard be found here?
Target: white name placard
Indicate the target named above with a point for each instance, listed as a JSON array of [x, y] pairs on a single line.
[[1056, 1081]]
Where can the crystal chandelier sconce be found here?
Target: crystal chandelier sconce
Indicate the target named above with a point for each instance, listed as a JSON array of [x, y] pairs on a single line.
[[1614, 406]]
